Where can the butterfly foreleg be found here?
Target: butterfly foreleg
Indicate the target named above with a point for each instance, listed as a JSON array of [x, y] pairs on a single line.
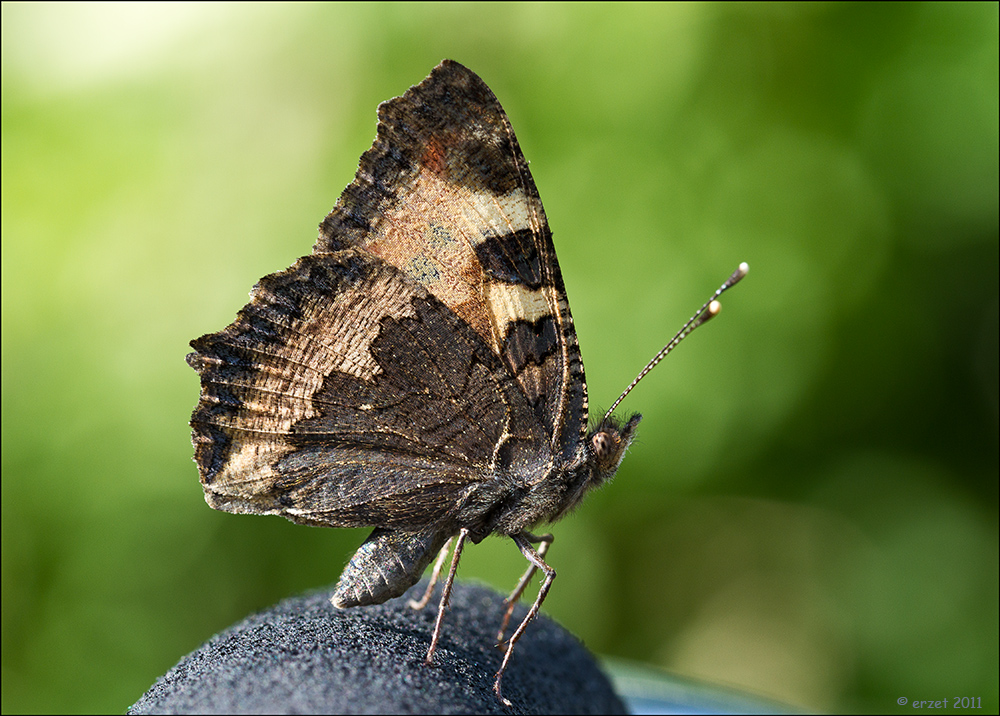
[[512, 600], [523, 540]]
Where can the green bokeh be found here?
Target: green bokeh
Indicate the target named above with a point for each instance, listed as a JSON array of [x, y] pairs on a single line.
[[811, 508]]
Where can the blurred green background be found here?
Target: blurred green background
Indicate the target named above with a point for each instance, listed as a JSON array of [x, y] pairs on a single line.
[[810, 510]]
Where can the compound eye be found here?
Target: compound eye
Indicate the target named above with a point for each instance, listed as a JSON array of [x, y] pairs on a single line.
[[603, 444]]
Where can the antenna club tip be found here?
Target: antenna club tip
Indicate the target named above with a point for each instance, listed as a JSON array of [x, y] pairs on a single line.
[[736, 277], [710, 311]]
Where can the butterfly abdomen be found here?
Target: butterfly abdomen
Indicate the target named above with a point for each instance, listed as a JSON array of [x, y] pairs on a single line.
[[386, 565]]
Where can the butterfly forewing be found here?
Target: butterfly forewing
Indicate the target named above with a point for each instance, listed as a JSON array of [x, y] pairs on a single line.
[[445, 195]]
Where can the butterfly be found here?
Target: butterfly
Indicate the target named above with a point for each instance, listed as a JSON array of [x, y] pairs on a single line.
[[418, 373]]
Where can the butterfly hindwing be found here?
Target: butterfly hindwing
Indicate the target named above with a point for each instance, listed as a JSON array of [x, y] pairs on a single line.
[[343, 391]]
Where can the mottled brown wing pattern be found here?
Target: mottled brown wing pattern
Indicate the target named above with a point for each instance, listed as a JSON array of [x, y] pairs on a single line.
[[445, 195], [343, 391]]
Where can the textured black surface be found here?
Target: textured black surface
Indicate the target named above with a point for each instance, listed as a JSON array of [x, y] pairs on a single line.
[[304, 656]]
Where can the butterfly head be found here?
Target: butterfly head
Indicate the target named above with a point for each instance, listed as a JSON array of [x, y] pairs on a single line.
[[607, 444]]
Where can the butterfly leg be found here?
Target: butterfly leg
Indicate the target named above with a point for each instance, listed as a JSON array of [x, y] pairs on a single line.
[[435, 573], [523, 541], [446, 592], [512, 600]]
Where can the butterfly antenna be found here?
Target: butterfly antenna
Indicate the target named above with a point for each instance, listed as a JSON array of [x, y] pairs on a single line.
[[706, 312]]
